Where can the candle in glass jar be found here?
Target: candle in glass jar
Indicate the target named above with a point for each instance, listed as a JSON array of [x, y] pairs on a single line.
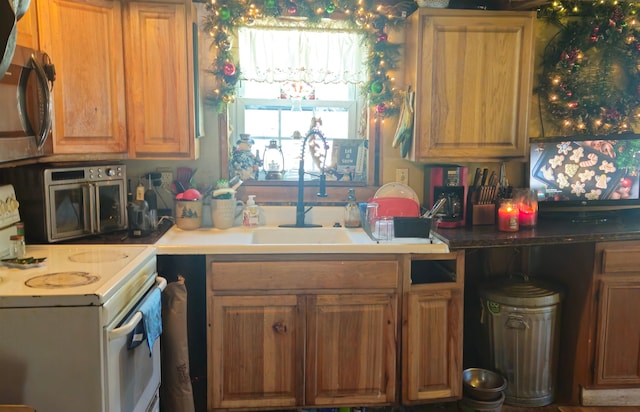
[[527, 216], [527, 203], [508, 216]]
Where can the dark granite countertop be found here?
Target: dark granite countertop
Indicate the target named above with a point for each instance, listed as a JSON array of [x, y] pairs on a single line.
[[547, 231]]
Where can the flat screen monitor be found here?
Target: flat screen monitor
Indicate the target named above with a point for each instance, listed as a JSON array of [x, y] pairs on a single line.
[[590, 176]]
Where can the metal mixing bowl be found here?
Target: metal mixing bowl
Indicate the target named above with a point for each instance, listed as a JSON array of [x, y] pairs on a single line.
[[483, 384]]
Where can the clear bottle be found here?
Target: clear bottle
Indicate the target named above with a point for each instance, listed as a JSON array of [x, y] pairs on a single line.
[[251, 213], [18, 246], [351, 210]]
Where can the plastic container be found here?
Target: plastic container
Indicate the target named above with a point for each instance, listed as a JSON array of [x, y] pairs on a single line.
[[521, 320], [251, 213], [351, 211]]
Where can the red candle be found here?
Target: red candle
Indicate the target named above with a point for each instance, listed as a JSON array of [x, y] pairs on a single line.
[[527, 216], [508, 217]]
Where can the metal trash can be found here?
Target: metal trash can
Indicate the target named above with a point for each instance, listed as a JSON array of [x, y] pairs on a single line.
[[520, 317]]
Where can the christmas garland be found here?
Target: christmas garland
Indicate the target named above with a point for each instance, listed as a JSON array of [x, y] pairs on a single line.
[[590, 82], [223, 16]]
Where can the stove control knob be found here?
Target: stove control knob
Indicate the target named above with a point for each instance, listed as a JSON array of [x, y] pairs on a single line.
[[12, 204], [110, 172]]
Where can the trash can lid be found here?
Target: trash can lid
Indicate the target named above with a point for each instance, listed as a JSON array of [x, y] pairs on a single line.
[[522, 290]]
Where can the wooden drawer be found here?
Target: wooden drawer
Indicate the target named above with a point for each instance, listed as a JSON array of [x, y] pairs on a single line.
[[623, 259], [307, 274]]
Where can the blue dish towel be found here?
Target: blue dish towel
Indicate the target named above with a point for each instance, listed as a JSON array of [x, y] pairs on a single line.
[[151, 310]]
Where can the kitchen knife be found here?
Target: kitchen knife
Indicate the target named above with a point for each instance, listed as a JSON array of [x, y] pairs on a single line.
[[485, 172], [476, 178], [492, 178]]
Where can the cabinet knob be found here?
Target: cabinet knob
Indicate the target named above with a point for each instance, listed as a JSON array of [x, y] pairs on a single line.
[[279, 327]]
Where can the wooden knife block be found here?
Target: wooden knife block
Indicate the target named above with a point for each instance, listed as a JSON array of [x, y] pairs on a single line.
[[483, 214]]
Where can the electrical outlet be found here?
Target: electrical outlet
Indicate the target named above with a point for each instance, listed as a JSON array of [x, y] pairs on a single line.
[[166, 176], [402, 176]]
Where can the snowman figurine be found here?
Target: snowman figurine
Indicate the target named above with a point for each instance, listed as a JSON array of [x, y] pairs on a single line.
[[244, 163]]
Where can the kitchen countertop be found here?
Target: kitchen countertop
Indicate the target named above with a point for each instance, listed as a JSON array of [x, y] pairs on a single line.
[[547, 231], [238, 240]]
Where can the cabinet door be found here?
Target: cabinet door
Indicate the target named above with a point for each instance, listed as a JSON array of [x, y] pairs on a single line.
[[255, 347], [618, 333], [432, 357], [351, 349], [28, 28], [84, 40], [160, 80], [473, 74]]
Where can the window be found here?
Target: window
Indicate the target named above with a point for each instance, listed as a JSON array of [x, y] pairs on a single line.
[[309, 74]]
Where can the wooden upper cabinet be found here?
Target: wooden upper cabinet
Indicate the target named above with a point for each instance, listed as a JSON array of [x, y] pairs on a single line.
[[472, 72], [84, 40], [27, 28], [159, 62]]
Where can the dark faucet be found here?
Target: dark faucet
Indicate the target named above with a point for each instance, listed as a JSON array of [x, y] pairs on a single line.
[[300, 212]]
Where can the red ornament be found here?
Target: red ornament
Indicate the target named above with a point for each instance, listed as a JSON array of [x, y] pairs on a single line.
[[229, 69], [382, 37], [381, 108]]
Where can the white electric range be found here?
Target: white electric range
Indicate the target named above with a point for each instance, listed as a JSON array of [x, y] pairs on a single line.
[[68, 330]]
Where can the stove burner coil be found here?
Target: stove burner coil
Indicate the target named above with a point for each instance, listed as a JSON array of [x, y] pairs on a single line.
[[60, 280], [98, 256]]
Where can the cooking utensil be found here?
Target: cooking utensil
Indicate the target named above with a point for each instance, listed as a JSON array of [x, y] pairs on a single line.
[[436, 208], [483, 384]]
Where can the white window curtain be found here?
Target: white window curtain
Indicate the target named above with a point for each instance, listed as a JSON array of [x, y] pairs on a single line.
[[277, 55]]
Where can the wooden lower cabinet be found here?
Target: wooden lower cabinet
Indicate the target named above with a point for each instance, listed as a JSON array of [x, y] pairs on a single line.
[[291, 331], [599, 354], [351, 349], [432, 328], [304, 331], [617, 353], [434, 342], [256, 352]]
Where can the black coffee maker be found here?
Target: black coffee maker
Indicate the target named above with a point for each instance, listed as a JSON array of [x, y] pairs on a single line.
[[450, 182], [138, 214]]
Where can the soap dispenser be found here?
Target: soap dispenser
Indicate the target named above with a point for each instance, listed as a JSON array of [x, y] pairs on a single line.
[[351, 211], [251, 213]]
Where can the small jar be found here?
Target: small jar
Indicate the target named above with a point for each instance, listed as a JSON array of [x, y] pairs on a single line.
[[527, 203], [508, 216], [18, 246]]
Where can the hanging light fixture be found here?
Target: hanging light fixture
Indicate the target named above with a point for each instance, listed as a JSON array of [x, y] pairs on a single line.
[[273, 161]]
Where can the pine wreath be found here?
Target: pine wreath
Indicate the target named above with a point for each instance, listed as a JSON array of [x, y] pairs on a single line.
[[590, 81]]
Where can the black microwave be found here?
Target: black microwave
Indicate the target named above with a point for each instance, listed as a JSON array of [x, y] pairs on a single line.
[[26, 105]]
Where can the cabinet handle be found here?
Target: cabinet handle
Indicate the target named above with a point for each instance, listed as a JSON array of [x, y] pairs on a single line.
[[279, 327]]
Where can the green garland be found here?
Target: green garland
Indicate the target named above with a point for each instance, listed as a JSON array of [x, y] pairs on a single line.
[[590, 82], [224, 16]]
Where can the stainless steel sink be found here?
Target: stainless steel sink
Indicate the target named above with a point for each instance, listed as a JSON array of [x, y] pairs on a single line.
[[300, 236]]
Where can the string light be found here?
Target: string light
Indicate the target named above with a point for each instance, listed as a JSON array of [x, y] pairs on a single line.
[[372, 19], [583, 65]]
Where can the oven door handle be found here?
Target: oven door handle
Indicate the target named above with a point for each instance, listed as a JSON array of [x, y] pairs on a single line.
[[123, 330]]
